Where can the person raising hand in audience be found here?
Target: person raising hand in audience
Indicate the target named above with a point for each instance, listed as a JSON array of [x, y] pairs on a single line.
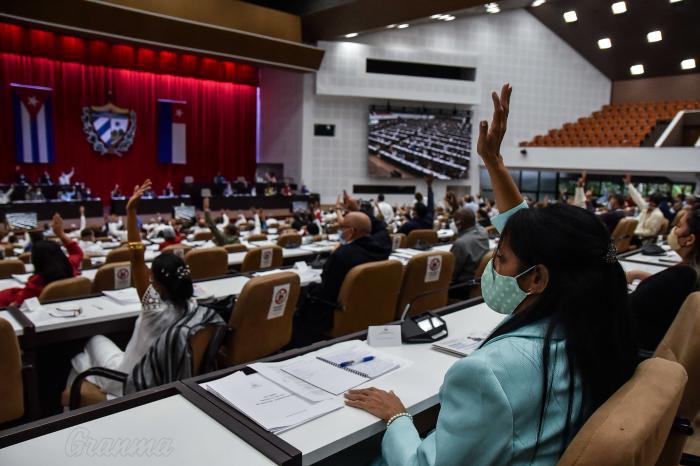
[[563, 350], [230, 235], [166, 292], [50, 264]]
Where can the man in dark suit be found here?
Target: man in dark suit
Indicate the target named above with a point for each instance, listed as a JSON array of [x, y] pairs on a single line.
[[315, 314], [422, 214], [615, 212]]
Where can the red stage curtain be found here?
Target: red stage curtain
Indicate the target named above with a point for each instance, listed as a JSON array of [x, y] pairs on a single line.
[[220, 135]]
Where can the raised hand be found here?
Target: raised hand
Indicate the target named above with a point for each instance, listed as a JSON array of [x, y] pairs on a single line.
[[205, 204], [139, 191], [429, 180], [82, 210], [489, 144], [57, 224], [627, 179]]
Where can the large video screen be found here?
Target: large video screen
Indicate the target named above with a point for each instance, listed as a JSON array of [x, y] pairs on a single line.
[[417, 142]]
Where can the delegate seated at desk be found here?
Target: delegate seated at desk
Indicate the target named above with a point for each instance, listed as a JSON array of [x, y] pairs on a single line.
[[516, 400], [470, 246], [357, 247], [230, 235], [422, 214]]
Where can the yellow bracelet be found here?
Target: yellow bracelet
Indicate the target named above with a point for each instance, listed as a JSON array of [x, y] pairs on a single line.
[[135, 245], [396, 416]]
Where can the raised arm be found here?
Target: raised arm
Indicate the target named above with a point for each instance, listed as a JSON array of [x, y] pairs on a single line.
[[138, 263], [216, 233], [431, 198], [579, 194], [83, 222], [634, 194], [489, 148], [75, 253]]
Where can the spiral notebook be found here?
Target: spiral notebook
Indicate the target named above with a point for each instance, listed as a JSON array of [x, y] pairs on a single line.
[[326, 370]]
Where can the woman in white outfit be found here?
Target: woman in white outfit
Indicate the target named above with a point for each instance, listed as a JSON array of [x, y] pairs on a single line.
[[166, 293]]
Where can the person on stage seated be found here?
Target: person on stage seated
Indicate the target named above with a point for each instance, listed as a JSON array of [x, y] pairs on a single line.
[[470, 245], [315, 315], [166, 292], [20, 179], [169, 191], [45, 179], [5, 196], [304, 190], [270, 177], [228, 190], [229, 235], [287, 190], [219, 178], [117, 192], [148, 194], [615, 213], [270, 190], [65, 177], [50, 264], [422, 214]]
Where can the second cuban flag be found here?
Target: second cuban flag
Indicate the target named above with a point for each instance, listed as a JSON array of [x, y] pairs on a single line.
[[172, 131]]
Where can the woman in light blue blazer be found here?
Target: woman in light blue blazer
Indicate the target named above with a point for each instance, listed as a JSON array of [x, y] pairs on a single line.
[[565, 349]]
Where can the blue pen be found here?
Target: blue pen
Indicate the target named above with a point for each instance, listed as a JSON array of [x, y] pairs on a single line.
[[350, 363]]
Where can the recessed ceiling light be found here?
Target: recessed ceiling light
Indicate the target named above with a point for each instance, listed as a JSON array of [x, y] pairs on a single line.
[[570, 16], [436, 17], [492, 8], [688, 64], [674, 1], [618, 7], [351, 35], [402, 26], [654, 36], [449, 18], [604, 43], [537, 3], [637, 69], [391, 26]]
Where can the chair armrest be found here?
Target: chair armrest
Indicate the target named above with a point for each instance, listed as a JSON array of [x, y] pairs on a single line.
[[98, 371], [683, 426], [690, 460]]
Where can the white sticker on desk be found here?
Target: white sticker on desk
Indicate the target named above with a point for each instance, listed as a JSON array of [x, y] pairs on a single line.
[[433, 268], [395, 242], [122, 277], [280, 295], [266, 258], [31, 305], [384, 335]]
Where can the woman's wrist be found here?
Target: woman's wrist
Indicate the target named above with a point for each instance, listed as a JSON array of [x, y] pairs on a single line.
[[396, 416]]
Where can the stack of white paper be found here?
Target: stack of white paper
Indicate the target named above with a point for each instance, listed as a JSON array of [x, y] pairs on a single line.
[[267, 403], [124, 296], [460, 346]]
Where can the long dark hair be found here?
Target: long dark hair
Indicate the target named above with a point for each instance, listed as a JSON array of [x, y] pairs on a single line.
[[585, 298], [692, 219], [171, 272], [49, 262]]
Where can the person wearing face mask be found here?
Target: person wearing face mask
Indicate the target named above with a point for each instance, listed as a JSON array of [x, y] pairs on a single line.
[[166, 292], [470, 245], [650, 217], [564, 349], [658, 298], [615, 212], [358, 246]]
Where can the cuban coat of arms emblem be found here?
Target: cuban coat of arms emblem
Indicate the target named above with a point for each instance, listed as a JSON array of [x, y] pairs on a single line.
[[109, 129]]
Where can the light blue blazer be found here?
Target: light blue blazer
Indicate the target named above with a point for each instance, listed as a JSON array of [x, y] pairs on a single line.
[[490, 406]]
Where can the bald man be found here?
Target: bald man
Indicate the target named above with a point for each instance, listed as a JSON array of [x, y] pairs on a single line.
[[315, 314], [471, 243]]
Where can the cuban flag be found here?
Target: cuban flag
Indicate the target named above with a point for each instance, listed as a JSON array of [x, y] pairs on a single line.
[[33, 117], [172, 131]]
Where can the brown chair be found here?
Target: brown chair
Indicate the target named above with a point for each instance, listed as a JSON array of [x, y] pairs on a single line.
[[257, 237], [630, 428], [235, 247], [289, 240], [9, 250], [261, 321], [177, 249], [623, 234], [11, 383], [203, 236], [475, 291], [25, 257], [367, 297], [426, 280], [262, 258], [424, 237], [206, 263], [681, 344], [91, 394], [106, 277], [68, 288], [398, 240], [120, 254], [8, 267]]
